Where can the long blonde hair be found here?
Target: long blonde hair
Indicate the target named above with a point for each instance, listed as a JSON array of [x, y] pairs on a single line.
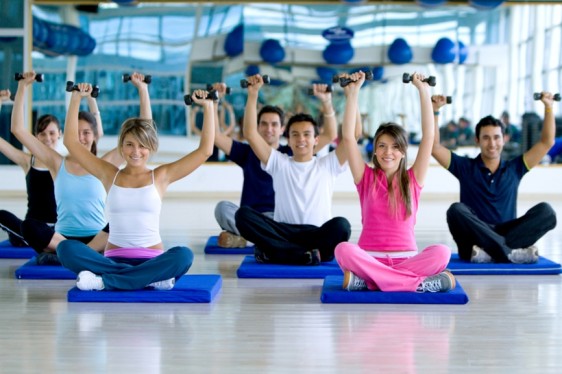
[[399, 135]]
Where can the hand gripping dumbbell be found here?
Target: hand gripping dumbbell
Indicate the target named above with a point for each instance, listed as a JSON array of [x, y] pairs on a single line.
[[70, 86], [127, 77], [345, 81], [244, 83], [211, 89], [448, 99], [213, 95], [329, 88], [538, 96], [38, 77], [407, 78]]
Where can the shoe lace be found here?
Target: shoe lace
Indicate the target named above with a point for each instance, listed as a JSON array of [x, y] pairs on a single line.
[[358, 282], [430, 285]]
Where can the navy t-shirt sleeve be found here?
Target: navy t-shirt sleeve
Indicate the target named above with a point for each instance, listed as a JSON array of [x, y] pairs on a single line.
[[239, 153]]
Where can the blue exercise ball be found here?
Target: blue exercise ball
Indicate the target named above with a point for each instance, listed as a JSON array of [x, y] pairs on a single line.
[[430, 3], [338, 53], [444, 52], [378, 72], [485, 4], [252, 70], [400, 52], [234, 42], [463, 52], [325, 73], [272, 51]]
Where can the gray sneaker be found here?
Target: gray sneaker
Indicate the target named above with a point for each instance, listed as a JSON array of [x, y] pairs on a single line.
[[352, 282], [528, 255], [479, 256], [442, 282]]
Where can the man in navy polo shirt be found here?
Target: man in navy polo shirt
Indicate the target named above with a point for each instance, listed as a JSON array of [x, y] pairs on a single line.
[[257, 188], [484, 223]]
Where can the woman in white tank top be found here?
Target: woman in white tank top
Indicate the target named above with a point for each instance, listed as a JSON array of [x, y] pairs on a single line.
[[134, 257]]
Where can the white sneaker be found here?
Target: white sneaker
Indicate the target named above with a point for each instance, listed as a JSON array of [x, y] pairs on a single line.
[[352, 282], [163, 285], [442, 282], [88, 281], [479, 256], [528, 255]]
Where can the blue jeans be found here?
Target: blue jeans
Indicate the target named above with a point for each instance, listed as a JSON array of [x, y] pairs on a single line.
[[125, 273]]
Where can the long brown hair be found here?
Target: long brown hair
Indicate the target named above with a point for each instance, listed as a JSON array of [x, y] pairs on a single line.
[[399, 135], [91, 120]]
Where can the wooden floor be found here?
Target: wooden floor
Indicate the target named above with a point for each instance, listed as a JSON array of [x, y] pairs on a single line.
[[512, 324]]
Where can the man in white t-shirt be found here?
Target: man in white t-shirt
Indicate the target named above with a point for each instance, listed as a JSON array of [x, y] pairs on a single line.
[[302, 231]]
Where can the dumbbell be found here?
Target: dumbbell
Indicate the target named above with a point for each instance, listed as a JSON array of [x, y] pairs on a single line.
[[38, 77], [70, 86], [213, 95], [329, 88], [448, 99], [211, 89], [345, 81], [127, 77], [244, 83], [538, 96], [407, 78]]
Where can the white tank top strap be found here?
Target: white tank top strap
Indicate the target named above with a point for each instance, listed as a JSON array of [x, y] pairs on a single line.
[[152, 176], [115, 177]]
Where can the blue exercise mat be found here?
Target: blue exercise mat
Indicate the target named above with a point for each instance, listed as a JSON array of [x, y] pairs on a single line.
[[543, 266], [30, 270], [212, 248], [332, 292], [249, 268], [188, 289], [7, 250]]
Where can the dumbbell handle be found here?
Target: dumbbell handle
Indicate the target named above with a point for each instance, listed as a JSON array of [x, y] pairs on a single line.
[[244, 83], [213, 95], [407, 78], [211, 89], [127, 77], [329, 88], [448, 99], [345, 81], [70, 86], [538, 96], [38, 77]]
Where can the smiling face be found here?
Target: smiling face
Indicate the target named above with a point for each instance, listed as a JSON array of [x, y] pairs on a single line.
[[86, 134], [302, 140], [134, 153], [270, 128], [388, 154], [50, 135], [491, 141]]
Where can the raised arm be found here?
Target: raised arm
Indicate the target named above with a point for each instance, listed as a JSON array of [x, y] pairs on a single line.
[[258, 144], [330, 122], [438, 151], [93, 108], [169, 173], [221, 140], [536, 153], [349, 140], [15, 155], [421, 164], [99, 168], [137, 80], [46, 155]]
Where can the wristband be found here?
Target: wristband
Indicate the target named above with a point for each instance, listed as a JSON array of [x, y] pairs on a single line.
[[95, 113], [436, 113], [548, 109]]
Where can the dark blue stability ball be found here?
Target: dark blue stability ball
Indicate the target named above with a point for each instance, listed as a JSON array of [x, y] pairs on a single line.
[[325, 74], [463, 52], [445, 51], [271, 51], [400, 52], [234, 42], [378, 72], [338, 53], [252, 70], [485, 4]]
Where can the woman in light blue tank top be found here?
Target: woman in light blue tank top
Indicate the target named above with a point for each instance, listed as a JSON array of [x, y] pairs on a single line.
[[134, 257], [70, 219]]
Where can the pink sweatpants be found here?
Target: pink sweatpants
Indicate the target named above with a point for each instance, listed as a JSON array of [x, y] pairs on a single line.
[[392, 274]]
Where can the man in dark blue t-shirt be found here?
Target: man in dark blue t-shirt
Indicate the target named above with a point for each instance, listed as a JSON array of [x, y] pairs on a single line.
[[484, 223], [257, 188]]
